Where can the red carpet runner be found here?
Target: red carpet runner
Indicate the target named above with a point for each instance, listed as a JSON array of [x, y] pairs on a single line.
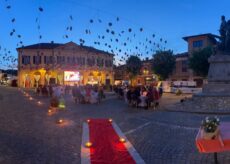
[[106, 145]]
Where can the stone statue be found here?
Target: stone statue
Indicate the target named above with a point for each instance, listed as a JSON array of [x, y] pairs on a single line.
[[222, 33], [224, 30], [227, 39]]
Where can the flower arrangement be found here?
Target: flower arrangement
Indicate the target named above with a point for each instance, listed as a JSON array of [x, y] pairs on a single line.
[[210, 124], [210, 127]]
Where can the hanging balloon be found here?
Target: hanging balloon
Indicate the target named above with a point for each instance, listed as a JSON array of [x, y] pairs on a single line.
[[110, 24], [141, 29], [40, 9], [130, 30], [91, 21]]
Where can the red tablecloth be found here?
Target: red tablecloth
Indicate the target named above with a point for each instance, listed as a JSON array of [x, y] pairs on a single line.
[[222, 143]]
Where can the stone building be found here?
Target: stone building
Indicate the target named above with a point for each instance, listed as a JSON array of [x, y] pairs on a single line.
[[145, 76], [65, 64], [195, 43]]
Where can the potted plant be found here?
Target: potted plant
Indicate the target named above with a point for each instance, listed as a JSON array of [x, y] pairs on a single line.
[[210, 127]]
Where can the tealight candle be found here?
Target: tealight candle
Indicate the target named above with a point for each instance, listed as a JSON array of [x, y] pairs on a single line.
[[60, 121], [122, 140], [88, 144]]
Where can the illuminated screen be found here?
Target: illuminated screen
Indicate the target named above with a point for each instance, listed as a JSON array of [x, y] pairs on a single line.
[[71, 76]]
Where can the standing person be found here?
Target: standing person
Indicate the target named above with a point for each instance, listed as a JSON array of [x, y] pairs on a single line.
[[50, 91], [156, 97], [149, 97], [160, 91], [129, 95], [100, 94], [54, 99], [74, 94], [44, 90], [94, 96], [38, 90], [120, 92], [87, 94]]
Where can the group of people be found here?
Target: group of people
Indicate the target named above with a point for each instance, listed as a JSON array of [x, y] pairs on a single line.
[[44, 90], [140, 96], [88, 94], [81, 94]]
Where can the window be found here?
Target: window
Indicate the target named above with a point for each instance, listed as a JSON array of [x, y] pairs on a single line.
[[68, 59], [198, 43], [25, 60], [48, 59], [185, 66], [60, 59], [37, 60], [63, 59]]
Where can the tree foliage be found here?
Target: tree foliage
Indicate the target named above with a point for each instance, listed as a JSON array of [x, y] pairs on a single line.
[[199, 61], [163, 64], [133, 65]]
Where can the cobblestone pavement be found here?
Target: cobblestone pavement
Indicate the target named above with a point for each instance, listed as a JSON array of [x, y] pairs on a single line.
[[29, 135]]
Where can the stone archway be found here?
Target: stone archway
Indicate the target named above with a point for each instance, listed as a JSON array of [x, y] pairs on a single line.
[[47, 77], [37, 77]]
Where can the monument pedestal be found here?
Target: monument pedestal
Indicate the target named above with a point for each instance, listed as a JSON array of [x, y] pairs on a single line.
[[218, 76], [216, 94]]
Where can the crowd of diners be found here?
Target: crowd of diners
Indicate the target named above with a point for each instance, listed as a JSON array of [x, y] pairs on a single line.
[[87, 94], [140, 96], [136, 96]]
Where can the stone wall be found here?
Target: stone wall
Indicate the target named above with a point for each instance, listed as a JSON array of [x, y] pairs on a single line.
[[204, 104]]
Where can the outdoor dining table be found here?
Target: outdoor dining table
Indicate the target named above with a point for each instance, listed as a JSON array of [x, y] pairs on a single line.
[[219, 144]]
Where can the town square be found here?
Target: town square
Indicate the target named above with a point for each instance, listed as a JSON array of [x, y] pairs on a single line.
[[117, 82]]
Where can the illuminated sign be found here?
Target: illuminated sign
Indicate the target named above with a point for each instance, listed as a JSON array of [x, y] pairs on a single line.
[[71, 76]]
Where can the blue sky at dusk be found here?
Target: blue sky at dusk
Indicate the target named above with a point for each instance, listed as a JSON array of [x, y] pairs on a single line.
[[167, 19]]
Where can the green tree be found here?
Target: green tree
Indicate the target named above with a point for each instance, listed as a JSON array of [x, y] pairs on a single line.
[[133, 66], [199, 61], [163, 63]]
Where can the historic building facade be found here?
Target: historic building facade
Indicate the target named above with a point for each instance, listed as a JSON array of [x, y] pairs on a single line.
[[195, 43], [64, 64], [145, 77]]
